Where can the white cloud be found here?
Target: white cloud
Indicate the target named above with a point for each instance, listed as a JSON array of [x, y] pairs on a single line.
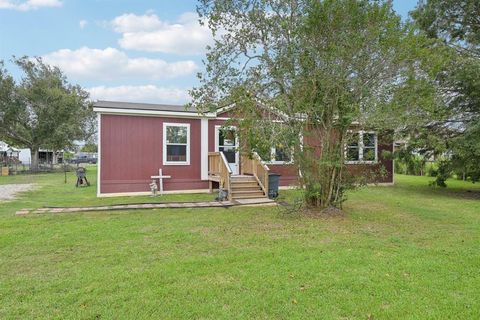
[[29, 5], [130, 22], [148, 94], [83, 24], [113, 64], [149, 33]]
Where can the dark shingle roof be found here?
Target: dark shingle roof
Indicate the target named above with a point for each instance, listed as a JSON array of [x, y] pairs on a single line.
[[143, 106]]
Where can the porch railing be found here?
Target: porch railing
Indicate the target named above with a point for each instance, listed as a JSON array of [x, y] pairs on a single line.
[[218, 167], [255, 166]]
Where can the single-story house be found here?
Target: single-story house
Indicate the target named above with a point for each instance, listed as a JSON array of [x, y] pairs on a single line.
[[23, 156], [45, 157], [195, 153], [8, 155]]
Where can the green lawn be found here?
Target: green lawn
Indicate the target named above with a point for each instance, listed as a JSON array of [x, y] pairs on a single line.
[[403, 252]]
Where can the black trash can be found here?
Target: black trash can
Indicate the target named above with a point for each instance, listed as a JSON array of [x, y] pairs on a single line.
[[273, 183]]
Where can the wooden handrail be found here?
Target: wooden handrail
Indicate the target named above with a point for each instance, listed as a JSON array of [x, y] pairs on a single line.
[[261, 161], [225, 163], [213, 163], [255, 166], [218, 166]]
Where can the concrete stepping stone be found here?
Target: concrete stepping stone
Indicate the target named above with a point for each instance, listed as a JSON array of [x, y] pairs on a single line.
[[22, 212], [202, 204]]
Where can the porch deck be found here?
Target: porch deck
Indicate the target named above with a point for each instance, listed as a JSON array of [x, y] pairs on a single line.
[[250, 183], [216, 178]]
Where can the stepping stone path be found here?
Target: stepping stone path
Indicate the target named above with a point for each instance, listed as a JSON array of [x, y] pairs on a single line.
[[178, 205]]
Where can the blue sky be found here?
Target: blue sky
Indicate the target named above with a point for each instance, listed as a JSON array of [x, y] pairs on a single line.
[[129, 50]]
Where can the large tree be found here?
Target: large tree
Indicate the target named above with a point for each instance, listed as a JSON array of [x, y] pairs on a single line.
[[318, 66], [455, 25], [42, 110]]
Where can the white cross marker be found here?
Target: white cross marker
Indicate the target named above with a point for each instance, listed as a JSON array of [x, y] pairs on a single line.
[[160, 178]]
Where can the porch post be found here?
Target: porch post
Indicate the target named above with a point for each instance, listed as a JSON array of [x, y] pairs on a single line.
[[240, 163], [204, 148]]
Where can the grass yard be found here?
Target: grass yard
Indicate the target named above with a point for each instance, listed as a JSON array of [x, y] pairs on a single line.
[[403, 252]]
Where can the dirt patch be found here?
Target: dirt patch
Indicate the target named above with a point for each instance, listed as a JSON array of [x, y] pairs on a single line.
[[330, 212], [471, 194], [10, 191], [299, 208]]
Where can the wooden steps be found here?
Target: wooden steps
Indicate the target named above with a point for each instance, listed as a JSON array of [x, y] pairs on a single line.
[[246, 187]]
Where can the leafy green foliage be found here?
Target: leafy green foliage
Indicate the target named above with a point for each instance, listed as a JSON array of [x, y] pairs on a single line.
[[443, 172], [90, 147], [454, 132], [411, 163], [465, 160], [315, 66], [43, 110], [452, 20]]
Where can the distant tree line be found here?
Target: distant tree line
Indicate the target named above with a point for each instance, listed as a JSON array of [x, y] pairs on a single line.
[[453, 133], [43, 110]]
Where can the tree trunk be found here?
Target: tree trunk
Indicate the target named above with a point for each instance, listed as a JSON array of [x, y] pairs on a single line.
[[322, 169], [34, 159], [52, 160]]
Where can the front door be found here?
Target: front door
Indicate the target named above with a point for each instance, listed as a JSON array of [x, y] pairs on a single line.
[[226, 141]]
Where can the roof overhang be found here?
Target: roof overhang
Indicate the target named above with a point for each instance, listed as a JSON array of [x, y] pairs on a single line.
[[154, 113]]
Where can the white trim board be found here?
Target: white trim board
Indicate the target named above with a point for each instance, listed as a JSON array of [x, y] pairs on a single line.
[[204, 149], [226, 108], [287, 187], [99, 156], [174, 114], [381, 184]]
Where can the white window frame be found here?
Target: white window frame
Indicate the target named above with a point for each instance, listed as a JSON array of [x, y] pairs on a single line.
[[237, 145], [175, 163], [361, 147], [273, 151]]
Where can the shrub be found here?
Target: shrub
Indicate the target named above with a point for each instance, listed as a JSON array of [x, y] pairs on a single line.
[[444, 172], [432, 169]]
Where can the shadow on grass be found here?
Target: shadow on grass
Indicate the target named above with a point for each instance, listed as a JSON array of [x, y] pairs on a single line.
[[453, 191]]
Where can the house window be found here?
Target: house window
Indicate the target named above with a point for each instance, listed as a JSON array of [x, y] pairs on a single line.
[[176, 144], [369, 143], [353, 150], [362, 148], [281, 155], [227, 143]]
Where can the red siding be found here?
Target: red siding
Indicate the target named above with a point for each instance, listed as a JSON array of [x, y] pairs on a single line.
[[371, 171], [288, 174], [386, 163], [225, 114], [131, 152], [132, 147]]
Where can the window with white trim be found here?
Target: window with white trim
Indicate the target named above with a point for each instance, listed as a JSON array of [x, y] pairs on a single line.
[[362, 148], [176, 143], [281, 155]]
